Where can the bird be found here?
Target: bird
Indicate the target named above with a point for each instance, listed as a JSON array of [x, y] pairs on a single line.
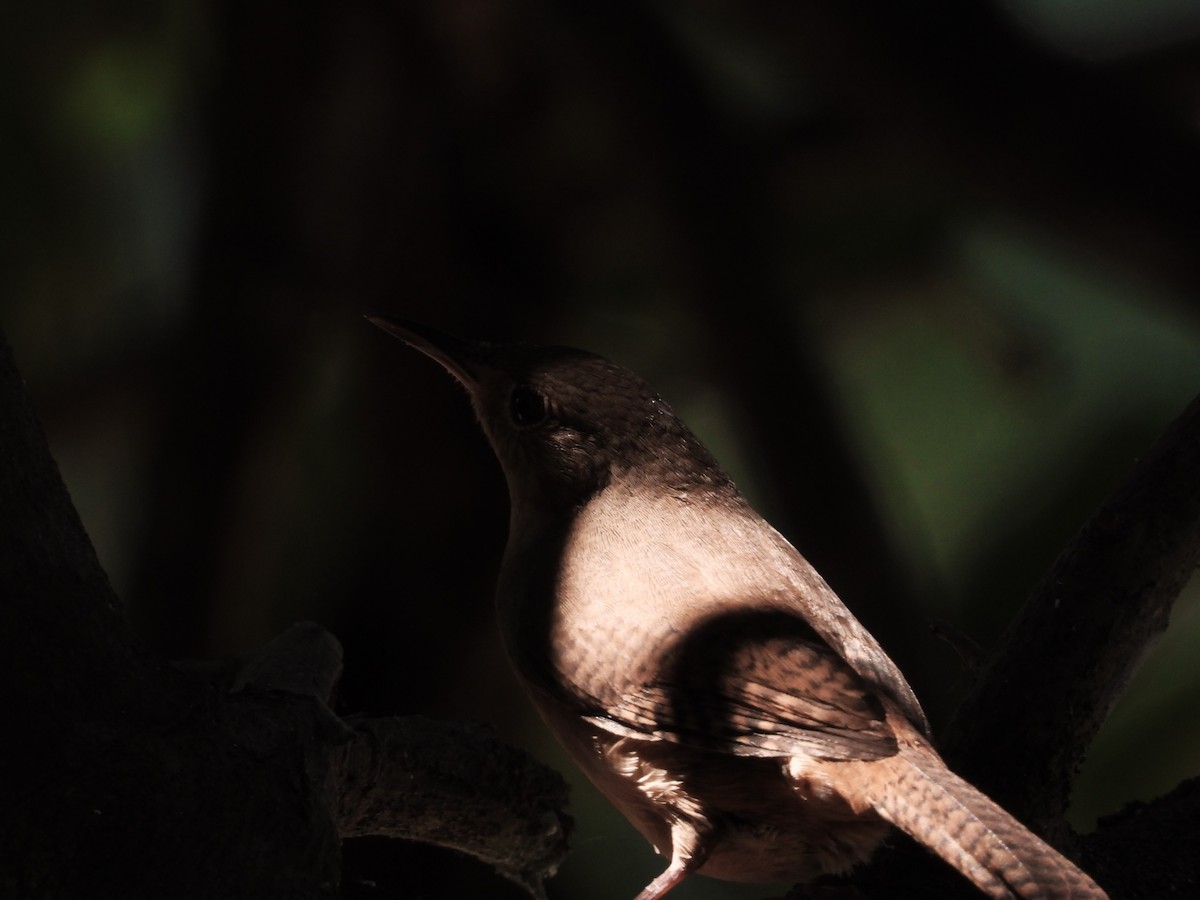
[[693, 664]]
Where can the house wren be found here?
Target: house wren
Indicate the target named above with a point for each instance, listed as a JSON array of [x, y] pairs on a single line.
[[691, 661]]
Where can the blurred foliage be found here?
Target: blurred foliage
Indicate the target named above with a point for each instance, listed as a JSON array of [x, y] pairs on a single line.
[[924, 279]]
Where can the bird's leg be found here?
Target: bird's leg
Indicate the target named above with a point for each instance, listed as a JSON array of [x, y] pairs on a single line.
[[689, 850], [670, 877]]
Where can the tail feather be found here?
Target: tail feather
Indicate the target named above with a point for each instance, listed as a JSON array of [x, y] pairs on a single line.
[[996, 852]]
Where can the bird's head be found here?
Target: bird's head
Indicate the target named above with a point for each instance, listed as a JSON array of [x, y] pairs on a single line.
[[565, 423]]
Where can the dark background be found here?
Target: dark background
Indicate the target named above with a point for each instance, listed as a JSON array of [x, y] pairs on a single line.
[[924, 276]]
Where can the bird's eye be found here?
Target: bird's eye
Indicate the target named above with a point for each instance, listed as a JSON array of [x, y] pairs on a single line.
[[527, 407]]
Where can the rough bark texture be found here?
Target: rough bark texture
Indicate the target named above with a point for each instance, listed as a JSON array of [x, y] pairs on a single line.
[[456, 786]]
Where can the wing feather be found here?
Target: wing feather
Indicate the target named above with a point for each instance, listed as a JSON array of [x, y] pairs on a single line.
[[755, 684]]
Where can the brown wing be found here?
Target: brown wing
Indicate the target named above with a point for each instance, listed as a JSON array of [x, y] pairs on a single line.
[[755, 684]]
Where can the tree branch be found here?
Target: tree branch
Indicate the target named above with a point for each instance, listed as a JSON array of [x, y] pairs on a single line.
[[1028, 722], [454, 785]]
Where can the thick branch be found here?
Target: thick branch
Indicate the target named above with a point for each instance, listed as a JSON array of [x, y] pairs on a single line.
[[447, 783], [454, 785], [1076, 643]]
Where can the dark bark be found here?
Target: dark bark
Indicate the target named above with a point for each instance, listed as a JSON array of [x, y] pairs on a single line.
[[1066, 658], [456, 786]]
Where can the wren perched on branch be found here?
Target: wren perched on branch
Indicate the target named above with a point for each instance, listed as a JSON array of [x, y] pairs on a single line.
[[694, 665]]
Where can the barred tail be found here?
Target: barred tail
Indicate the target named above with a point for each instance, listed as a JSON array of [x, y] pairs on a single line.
[[996, 852]]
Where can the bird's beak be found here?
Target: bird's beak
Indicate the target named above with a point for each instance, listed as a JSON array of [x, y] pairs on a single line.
[[459, 357]]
